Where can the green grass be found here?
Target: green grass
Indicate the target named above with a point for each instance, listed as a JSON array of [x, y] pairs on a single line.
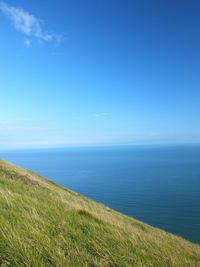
[[44, 224]]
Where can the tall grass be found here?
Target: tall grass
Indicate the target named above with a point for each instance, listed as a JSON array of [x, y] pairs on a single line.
[[44, 224]]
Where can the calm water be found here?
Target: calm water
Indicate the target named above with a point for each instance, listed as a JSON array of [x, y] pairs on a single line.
[[158, 185]]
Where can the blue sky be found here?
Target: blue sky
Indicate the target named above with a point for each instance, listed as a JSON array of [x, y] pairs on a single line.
[[99, 72]]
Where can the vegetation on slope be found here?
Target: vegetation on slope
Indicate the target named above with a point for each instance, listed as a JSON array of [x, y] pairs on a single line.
[[44, 224]]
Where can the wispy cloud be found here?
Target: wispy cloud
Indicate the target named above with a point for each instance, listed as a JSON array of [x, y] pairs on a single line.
[[13, 128], [27, 43], [22, 134], [4, 125], [26, 23], [23, 124], [101, 114]]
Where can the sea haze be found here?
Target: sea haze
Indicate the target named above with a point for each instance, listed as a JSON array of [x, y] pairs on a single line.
[[159, 185]]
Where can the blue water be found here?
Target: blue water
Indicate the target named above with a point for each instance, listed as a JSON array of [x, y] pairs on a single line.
[[158, 185]]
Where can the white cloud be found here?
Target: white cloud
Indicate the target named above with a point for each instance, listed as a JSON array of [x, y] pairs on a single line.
[[26, 23]]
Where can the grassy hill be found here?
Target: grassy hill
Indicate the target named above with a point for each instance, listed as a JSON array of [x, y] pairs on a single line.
[[44, 224]]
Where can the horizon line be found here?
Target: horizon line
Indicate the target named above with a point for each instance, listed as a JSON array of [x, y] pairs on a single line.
[[99, 146]]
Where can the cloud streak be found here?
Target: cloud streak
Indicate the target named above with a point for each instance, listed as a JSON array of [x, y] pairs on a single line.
[[26, 23], [102, 114]]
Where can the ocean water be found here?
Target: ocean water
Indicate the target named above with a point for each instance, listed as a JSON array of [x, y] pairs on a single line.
[[159, 185]]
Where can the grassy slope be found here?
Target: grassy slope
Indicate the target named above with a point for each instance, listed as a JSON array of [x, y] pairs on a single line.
[[43, 224]]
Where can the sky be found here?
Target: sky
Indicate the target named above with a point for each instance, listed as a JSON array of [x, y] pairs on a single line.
[[103, 72]]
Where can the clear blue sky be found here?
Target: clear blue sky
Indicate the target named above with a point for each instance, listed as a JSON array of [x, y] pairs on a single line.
[[101, 72]]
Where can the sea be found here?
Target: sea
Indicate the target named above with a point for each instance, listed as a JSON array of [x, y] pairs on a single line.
[[159, 185]]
